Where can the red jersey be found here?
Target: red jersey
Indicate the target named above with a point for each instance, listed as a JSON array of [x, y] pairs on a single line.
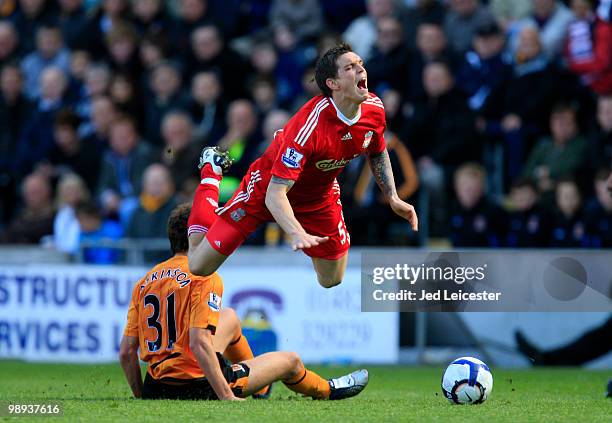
[[314, 147]]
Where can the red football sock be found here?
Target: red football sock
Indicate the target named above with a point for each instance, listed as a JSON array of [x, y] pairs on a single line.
[[205, 202]]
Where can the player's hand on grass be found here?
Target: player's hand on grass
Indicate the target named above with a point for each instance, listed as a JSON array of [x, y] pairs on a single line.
[[300, 241], [405, 210]]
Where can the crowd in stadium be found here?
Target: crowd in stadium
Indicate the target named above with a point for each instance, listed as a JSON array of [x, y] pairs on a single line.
[[499, 113]]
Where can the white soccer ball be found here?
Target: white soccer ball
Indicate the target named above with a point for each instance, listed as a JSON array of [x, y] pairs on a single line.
[[467, 380]]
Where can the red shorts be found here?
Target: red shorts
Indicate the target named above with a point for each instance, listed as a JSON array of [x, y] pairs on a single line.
[[246, 210]]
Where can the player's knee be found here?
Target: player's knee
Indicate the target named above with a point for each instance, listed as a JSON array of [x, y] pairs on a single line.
[[329, 282], [294, 364], [230, 318], [229, 314], [200, 269]]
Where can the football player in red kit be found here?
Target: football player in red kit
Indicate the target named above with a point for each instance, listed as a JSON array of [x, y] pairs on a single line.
[[294, 181]]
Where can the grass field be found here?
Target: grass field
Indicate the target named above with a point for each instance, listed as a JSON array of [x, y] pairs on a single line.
[[99, 393]]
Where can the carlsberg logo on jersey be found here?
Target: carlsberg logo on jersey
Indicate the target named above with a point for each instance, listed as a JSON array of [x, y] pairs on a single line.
[[331, 164]]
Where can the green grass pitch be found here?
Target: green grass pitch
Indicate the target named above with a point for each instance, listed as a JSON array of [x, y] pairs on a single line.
[[99, 393]]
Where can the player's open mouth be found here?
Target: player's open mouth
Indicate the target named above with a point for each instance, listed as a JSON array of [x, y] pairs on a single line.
[[362, 84]]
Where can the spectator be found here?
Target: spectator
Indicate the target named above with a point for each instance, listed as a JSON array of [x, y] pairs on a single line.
[[600, 143], [461, 22], [153, 50], [126, 98], [274, 121], [72, 19], [150, 16], [431, 46], [589, 44], [122, 166], [569, 228], [181, 152], [265, 95], [242, 140], [96, 132], [393, 104], [80, 60], [286, 71], [388, 65], [485, 72], [295, 22], [207, 107], [550, 18], [36, 140], [94, 229], [9, 42], [15, 110], [191, 15], [525, 117], [529, 224], [155, 204], [424, 12], [440, 134], [598, 214], [70, 154], [96, 83], [363, 31], [121, 46], [36, 218], [209, 53], [339, 14], [507, 12], [165, 84], [562, 155], [476, 220], [71, 190], [30, 16], [108, 14], [50, 52]]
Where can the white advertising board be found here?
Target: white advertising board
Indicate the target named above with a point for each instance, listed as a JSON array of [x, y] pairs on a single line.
[[76, 313]]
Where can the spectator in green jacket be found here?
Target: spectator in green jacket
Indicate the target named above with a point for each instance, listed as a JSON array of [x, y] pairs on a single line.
[[563, 154]]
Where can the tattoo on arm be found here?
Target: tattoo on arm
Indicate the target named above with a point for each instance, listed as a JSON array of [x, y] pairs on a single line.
[[381, 169], [288, 182]]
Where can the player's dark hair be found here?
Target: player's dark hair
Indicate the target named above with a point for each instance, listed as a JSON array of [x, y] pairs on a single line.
[[327, 66], [177, 228]]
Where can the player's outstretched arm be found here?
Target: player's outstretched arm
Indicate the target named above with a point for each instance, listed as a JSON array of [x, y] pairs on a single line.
[[280, 208], [128, 356], [383, 173], [200, 342]]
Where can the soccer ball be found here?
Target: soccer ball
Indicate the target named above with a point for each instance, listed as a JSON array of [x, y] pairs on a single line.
[[467, 380]]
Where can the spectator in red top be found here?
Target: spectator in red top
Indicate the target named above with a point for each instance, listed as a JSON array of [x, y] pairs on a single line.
[[588, 49]]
